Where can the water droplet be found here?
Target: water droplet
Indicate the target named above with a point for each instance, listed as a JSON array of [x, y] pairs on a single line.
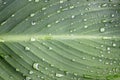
[[12, 15], [58, 11], [73, 60], [93, 57], [37, 0], [31, 15], [104, 5], [84, 19], [102, 45], [113, 44], [46, 68], [100, 60], [17, 69], [48, 25], [71, 7], [33, 23], [43, 8], [83, 58], [113, 15], [85, 26], [104, 20], [50, 48], [57, 21], [46, 0], [36, 66], [28, 78], [27, 48], [73, 16], [31, 72], [29, 0], [108, 48], [102, 29], [59, 75], [61, 1], [32, 39]]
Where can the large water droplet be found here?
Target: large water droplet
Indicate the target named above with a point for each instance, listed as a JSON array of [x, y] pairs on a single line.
[[36, 66]]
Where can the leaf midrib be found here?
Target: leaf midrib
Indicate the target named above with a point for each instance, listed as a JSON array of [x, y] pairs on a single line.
[[17, 38]]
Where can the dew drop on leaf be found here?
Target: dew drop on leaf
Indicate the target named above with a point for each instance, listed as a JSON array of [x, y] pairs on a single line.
[[85, 26], [50, 48], [32, 14], [31, 72], [33, 23], [17, 69], [32, 39], [59, 75], [37, 0], [27, 78], [102, 29], [27, 48], [113, 44], [36, 66]]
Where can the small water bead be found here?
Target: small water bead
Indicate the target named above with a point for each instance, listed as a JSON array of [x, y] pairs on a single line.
[[33, 23], [104, 20], [108, 48], [37, 0], [32, 39], [27, 48], [73, 16], [85, 26], [36, 66], [57, 21], [46, 0], [58, 11], [48, 25], [44, 8], [73, 60], [83, 58], [32, 14], [93, 57], [17, 69], [61, 1], [31, 72], [104, 5], [84, 19], [100, 60], [113, 15], [12, 15], [50, 48], [102, 29], [27, 78], [71, 7], [29, 0], [113, 44], [59, 75]]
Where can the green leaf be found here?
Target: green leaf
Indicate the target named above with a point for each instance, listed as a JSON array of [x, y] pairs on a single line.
[[59, 39]]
